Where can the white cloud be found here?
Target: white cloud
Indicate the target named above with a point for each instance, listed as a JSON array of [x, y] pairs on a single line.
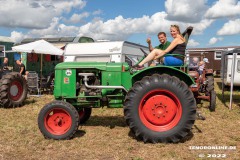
[[230, 28], [76, 18], [120, 28], [33, 13], [224, 8], [193, 43], [97, 12], [199, 27], [55, 30], [17, 36], [185, 10], [214, 40]]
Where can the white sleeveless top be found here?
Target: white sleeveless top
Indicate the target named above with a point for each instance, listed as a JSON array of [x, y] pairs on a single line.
[[202, 67]]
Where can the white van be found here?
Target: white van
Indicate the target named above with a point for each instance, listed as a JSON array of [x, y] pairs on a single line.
[[227, 61], [116, 51]]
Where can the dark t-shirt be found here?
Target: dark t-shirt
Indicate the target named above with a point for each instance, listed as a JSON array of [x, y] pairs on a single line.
[[4, 66], [24, 70]]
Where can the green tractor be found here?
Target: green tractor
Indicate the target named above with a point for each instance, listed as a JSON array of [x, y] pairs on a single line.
[[158, 103]]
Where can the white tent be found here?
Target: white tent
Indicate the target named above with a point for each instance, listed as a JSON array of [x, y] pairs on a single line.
[[40, 46]]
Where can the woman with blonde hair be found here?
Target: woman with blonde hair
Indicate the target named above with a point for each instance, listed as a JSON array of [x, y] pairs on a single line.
[[177, 46]]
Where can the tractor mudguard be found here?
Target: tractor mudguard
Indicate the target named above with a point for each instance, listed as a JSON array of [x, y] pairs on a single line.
[[163, 70]]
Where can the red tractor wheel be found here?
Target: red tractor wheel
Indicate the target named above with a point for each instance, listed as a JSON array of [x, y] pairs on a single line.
[[84, 114], [58, 120], [160, 108], [13, 90]]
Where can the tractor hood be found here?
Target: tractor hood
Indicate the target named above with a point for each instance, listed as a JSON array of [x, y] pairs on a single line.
[[104, 66]]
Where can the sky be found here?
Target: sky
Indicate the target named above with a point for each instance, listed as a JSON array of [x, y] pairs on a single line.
[[216, 23]]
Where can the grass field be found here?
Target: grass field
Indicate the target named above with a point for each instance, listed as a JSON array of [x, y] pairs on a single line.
[[106, 137]]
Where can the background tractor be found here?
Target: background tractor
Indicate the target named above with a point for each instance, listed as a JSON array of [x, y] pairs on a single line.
[[13, 89], [204, 88]]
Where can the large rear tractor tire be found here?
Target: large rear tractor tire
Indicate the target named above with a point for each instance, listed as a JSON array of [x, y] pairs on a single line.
[[13, 90], [210, 84], [58, 120], [212, 106], [160, 108]]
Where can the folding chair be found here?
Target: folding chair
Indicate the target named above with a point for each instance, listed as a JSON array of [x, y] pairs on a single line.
[[33, 80]]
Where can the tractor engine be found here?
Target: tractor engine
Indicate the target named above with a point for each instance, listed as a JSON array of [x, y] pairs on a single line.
[[196, 77], [81, 87]]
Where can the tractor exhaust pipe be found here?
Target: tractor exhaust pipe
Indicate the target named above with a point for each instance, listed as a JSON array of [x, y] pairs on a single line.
[[85, 79]]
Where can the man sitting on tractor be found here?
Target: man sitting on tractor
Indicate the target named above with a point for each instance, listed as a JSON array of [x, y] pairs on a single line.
[[163, 45]]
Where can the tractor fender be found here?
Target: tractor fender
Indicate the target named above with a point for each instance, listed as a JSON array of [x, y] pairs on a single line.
[[163, 70]]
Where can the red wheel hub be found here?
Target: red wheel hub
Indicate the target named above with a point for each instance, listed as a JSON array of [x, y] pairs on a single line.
[[57, 121], [160, 110], [16, 90]]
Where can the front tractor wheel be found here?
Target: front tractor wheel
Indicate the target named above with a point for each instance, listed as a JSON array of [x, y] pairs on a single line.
[[58, 120], [160, 108]]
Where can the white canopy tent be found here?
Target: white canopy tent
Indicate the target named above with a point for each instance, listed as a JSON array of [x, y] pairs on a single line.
[[38, 47]]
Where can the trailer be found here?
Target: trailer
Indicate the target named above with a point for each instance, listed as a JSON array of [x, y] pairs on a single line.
[[116, 51], [226, 68]]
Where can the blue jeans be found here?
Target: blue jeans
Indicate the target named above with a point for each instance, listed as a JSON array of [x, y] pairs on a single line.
[[172, 61]]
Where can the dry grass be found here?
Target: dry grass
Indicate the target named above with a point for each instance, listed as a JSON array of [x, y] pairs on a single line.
[[106, 136]]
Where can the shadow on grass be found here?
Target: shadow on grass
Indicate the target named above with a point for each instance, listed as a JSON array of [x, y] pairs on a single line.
[[26, 102], [79, 133], [226, 98], [29, 101], [188, 137], [106, 121], [113, 121]]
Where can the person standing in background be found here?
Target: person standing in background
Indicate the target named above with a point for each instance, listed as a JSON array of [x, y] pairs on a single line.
[[5, 64]]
